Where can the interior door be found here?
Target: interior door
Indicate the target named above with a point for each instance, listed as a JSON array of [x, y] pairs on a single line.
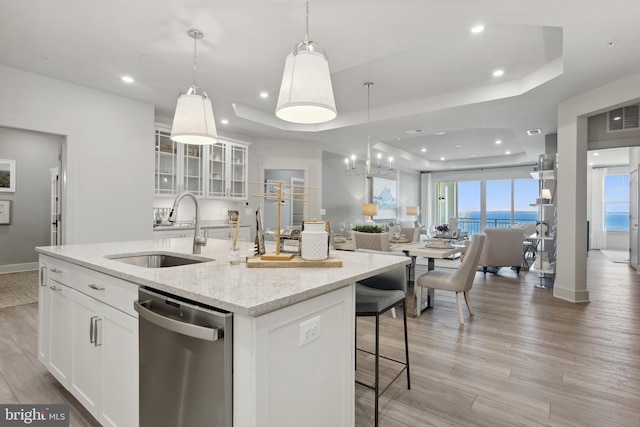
[[633, 213]]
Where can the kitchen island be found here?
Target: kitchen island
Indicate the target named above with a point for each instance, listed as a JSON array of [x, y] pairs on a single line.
[[280, 376]]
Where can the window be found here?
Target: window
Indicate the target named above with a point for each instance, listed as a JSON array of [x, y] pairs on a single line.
[[498, 203], [525, 192], [616, 202], [469, 206]]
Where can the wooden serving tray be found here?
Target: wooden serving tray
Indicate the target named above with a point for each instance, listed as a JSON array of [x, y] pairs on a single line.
[[296, 262]]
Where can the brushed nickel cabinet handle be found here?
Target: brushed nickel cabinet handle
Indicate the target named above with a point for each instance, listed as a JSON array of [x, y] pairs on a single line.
[[98, 332], [55, 270], [42, 276], [96, 287], [92, 330], [55, 288]]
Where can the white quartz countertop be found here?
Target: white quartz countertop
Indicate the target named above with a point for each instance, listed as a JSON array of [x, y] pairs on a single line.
[[236, 288]]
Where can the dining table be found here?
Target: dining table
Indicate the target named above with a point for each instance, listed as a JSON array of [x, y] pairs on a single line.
[[431, 252]]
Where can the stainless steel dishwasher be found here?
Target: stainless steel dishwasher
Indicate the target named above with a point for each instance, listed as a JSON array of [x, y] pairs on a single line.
[[186, 357]]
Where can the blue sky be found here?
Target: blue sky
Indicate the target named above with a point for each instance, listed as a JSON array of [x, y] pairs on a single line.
[[498, 195]]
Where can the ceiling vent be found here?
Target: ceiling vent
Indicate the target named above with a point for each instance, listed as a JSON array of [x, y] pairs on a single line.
[[625, 118], [532, 132], [413, 131]]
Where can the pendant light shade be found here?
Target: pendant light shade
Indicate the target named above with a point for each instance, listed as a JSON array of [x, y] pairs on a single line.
[[306, 93], [193, 122]]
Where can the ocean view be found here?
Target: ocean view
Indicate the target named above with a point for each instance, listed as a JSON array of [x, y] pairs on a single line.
[[471, 220]]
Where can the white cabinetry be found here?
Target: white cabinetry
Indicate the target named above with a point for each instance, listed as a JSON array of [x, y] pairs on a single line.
[[216, 171], [92, 320], [179, 167], [227, 170], [54, 322]]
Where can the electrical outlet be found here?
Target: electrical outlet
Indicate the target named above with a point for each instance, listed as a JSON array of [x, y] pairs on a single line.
[[309, 331]]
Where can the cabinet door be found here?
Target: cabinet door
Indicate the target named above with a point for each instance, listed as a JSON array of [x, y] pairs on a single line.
[[192, 168], [166, 159], [43, 316], [119, 370], [87, 341], [59, 303], [237, 166], [217, 171]]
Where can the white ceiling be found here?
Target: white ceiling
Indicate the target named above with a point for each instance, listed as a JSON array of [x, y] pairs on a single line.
[[429, 72]]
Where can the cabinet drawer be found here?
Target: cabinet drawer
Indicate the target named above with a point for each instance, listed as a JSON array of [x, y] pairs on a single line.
[[110, 290]]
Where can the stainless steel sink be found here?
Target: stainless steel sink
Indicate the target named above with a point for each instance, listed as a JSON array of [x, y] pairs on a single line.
[[159, 260]]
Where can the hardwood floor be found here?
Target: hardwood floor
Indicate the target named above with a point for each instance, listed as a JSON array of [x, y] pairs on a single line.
[[525, 358]]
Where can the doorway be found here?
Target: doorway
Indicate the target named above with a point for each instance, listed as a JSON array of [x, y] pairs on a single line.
[[291, 212]]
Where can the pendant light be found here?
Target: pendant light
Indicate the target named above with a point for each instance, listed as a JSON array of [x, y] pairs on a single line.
[[193, 122], [306, 93], [369, 170]]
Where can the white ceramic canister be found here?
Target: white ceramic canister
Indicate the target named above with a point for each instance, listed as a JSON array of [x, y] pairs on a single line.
[[314, 241]]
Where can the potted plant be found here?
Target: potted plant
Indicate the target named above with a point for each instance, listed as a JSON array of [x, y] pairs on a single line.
[[368, 228], [443, 230]]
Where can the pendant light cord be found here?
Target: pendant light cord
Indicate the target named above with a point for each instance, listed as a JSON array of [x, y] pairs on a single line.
[[195, 59], [306, 34]]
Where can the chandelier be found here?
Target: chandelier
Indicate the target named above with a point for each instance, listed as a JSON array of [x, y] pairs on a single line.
[[370, 170]]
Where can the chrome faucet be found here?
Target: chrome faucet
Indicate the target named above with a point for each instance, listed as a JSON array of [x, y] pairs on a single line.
[[198, 240]]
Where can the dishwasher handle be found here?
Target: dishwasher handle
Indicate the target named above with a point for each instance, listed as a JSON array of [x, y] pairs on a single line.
[[194, 331]]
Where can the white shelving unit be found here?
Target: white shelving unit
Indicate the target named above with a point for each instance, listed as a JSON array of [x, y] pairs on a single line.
[[545, 240]]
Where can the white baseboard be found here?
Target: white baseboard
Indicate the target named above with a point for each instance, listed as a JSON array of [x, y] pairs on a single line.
[[15, 268]]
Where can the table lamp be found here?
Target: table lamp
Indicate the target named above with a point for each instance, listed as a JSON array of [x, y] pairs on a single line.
[[370, 209], [545, 195]]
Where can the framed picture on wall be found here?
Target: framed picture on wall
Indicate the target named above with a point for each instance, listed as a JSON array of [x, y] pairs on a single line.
[[5, 212], [385, 195], [7, 176]]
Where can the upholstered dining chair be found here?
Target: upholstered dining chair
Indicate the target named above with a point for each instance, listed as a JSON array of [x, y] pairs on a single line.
[[372, 241], [459, 281], [375, 296]]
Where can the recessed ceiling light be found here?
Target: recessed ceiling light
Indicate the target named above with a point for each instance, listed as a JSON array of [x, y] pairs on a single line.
[[498, 141], [264, 95], [413, 131], [498, 73], [441, 158], [423, 150], [473, 155], [507, 152], [440, 133], [611, 43], [458, 146], [127, 79], [591, 164], [46, 58], [477, 29], [224, 121], [532, 132], [596, 154]]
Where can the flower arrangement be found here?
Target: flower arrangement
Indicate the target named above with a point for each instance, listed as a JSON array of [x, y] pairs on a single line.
[[443, 228]]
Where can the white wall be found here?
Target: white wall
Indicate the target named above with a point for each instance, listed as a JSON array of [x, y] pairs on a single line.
[[109, 152], [571, 267]]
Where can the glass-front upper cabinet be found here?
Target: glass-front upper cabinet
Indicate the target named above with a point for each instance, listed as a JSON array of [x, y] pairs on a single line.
[[227, 170], [216, 171], [166, 164], [192, 168]]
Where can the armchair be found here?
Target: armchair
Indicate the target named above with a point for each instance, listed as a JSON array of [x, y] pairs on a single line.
[[502, 248]]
